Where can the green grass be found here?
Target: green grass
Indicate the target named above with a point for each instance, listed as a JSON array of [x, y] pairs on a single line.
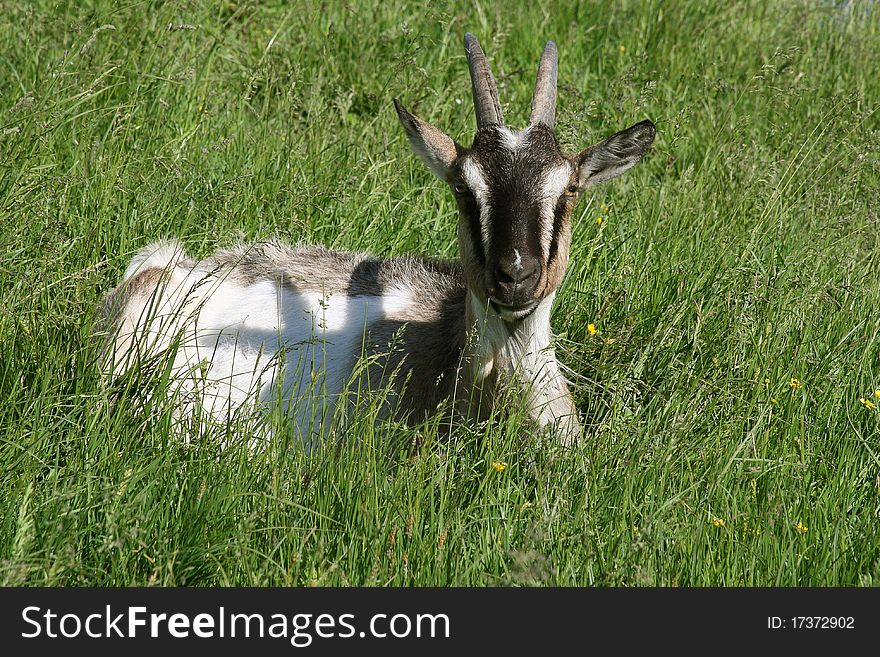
[[741, 254]]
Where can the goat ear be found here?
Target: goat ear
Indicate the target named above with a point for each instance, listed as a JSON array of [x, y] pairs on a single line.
[[615, 155], [436, 149]]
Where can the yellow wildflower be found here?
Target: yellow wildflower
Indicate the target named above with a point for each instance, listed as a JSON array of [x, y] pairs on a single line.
[[499, 467], [877, 394], [801, 527], [867, 403], [621, 49], [718, 522], [599, 220], [795, 384], [591, 329]]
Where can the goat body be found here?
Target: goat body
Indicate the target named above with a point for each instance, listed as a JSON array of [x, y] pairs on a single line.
[[270, 323], [309, 329]]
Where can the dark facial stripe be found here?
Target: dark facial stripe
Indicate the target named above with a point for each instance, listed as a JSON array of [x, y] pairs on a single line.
[[515, 168], [559, 212], [515, 225], [467, 206], [513, 214]]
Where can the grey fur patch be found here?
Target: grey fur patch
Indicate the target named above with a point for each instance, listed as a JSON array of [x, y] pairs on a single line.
[[318, 269]]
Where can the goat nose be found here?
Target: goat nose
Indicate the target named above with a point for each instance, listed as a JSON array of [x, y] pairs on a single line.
[[515, 269]]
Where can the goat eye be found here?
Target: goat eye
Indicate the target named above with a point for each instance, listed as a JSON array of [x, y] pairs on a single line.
[[459, 188], [571, 190]]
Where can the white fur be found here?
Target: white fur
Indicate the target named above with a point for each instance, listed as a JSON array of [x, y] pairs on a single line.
[[397, 302], [526, 354], [247, 346], [162, 254], [513, 140], [553, 186], [476, 181]]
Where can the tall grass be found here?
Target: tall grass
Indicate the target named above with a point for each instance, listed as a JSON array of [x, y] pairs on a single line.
[[728, 395]]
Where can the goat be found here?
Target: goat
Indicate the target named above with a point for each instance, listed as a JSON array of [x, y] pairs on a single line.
[[270, 323]]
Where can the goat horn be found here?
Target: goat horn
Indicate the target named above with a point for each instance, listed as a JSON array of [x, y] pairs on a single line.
[[486, 105], [544, 99]]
